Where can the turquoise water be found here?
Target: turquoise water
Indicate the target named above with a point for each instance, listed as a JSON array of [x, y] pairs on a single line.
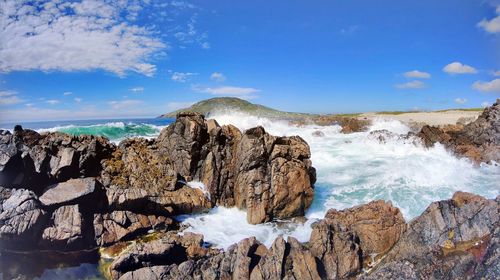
[[115, 130]]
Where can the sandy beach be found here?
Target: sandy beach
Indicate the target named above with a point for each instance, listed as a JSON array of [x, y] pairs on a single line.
[[430, 118]]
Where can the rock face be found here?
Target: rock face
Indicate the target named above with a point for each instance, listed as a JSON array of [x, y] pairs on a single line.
[[69, 191], [66, 228], [453, 239], [271, 177], [478, 140], [339, 247]]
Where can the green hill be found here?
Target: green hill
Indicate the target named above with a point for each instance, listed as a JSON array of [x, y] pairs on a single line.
[[213, 105]]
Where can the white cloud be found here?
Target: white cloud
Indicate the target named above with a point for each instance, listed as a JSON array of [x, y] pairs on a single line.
[[218, 77], [87, 35], [67, 93], [137, 89], [118, 105], [411, 85], [485, 104], [459, 68], [53, 101], [493, 25], [8, 97], [78, 99], [491, 86], [182, 77], [496, 73], [231, 91], [172, 106], [417, 74], [460, 100]]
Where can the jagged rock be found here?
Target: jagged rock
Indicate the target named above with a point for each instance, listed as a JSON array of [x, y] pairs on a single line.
[[21, 219], [337, 249], [478, 140], [138, 163], [160, 202], [149, 272], [378, 225], [66, 228], [300, 263], [270, 185], [69, 191], [272, 264], [117, 226], [171, 249], [451, 239]]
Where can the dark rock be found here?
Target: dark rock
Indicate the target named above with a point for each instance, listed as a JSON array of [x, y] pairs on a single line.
[[66, 229], [451, 239], [69, 191], [117, 226], [21, 219]]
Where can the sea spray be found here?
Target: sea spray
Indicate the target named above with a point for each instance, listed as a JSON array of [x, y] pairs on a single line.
[[354, 169]]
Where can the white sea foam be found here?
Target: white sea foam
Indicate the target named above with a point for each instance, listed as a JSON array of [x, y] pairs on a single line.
[[354, 169], [200, 186]]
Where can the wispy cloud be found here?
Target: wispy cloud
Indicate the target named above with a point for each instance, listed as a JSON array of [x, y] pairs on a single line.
[[53, 101], [491, 86], [496, 73], [172, 106], [417, 74], [493, 25], [122, 104], [485, 104], [243, 92], [78, 99], [67, 93], [460, 100], [411, 85], [85, 35], [137, 89], [182, 77], [218, 77], [8, 97], [459, 68]]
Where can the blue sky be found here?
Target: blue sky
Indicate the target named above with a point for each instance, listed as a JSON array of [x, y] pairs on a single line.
[[131, 58]]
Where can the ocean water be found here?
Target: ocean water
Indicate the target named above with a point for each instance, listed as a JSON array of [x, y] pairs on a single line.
[[352, 169], [116, 129]]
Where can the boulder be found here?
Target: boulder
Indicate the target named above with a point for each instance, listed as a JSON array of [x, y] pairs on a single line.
[[378, 225], [66, 228], [118, 226], [454, 239], [21, 219], [69, 191]]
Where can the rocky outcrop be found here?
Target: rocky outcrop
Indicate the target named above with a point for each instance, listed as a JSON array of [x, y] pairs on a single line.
[[271, 177], [66, 228], [478, 140], [452, 239], [69, 191], [21, 219]]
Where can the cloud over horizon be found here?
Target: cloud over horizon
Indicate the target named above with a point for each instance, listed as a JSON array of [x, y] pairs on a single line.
[[491, 86]]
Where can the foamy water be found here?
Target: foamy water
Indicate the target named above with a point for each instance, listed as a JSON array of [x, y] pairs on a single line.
[[354, 169]]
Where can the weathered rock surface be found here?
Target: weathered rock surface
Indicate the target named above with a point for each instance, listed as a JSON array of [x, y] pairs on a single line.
[[21, 219], [69, 191], [66, 228], [32, 160], [478, 140], [452, 239], [271, 177], [117, 226]]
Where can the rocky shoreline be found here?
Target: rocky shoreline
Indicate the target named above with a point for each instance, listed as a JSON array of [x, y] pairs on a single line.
[[67, 193]]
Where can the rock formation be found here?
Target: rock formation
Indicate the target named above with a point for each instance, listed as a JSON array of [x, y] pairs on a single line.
[[478, 140], [452, 239]]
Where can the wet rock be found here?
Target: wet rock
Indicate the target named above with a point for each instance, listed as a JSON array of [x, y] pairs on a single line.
[[117, 226], [21, 219], [478, 140], [69, 191], [66, 228], [451, 239], [318, 133]]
